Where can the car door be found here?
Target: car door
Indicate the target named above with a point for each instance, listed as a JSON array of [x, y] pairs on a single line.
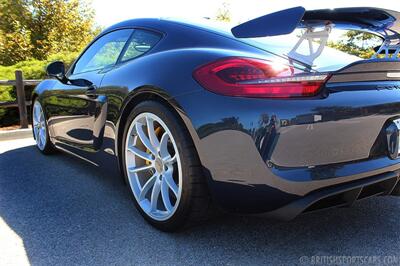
[[115, 83], [77, 112]]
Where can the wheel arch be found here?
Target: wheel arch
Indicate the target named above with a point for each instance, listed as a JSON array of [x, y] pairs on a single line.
[[149, 93]]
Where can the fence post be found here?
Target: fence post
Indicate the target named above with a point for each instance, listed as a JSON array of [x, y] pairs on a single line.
[[19, 85]]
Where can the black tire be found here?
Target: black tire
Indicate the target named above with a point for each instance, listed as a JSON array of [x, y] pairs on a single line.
[[49, 146], [195, 200]]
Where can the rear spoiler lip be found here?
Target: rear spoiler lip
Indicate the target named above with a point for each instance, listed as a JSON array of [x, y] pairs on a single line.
[[274, 24], [382, 22]]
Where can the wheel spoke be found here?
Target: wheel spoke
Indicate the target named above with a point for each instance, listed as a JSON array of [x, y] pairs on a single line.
[[165, 195], [154, 194], [141, 154], [38, 139], [36, 131], [37, 113], [34, 117], [139, 169], [43, 135], [171, 183], [169, 159], [152, 134], [144, 139], [164, 145], [147, 186], [40, 136]]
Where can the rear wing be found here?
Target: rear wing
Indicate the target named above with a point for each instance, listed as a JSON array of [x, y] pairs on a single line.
[[381, 22]]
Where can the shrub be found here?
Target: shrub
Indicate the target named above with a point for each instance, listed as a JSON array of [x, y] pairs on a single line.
[[35, 69], [31, 69]]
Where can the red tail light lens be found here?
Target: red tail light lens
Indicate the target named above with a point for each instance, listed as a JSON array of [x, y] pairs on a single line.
[[247, 77]]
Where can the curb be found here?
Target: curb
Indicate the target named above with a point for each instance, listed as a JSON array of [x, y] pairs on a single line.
[[15, 134]]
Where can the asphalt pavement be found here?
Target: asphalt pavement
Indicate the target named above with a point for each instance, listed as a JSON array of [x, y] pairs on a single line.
[[59, 210]]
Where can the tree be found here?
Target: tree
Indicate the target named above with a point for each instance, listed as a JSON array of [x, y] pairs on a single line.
[[36, 29], [14, 35], [357, 43], [224, 13]]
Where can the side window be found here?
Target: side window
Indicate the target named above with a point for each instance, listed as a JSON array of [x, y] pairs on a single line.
[[141, 42], [104, 52]]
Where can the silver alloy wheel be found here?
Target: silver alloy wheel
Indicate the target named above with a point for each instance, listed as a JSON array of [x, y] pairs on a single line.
[[153, 166], [39, 126]]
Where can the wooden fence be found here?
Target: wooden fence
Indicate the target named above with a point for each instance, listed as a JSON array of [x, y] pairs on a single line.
[[19, 83]]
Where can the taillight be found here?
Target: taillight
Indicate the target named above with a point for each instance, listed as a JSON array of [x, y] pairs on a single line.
[[248, 77]]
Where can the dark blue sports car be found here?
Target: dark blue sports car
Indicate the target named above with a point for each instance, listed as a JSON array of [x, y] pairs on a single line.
[[261, 118]]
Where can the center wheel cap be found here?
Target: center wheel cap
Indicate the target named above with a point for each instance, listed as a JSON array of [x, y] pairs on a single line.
[[159, 165]]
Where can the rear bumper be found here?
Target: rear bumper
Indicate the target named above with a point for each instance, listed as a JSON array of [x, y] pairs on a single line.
[[261, 155], [341, 195]]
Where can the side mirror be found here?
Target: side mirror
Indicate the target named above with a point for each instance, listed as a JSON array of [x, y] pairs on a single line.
[[56, 70]]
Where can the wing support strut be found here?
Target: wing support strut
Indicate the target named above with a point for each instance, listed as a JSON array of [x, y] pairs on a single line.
[[390, 47], [312, 38]]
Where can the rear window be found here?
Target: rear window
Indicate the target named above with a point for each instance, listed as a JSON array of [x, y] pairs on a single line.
[[344, 46], [335, 55], [140, 43]]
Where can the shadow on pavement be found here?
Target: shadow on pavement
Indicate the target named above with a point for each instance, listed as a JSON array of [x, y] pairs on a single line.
[[69, 212]]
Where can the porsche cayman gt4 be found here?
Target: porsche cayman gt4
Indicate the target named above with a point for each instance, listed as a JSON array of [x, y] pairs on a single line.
[[261, 118]]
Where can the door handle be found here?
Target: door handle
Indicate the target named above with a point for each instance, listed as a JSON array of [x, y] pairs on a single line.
[[91, 91]]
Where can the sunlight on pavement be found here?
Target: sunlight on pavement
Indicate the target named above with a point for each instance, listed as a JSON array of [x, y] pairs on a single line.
[[12, 250], [15, 144]]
